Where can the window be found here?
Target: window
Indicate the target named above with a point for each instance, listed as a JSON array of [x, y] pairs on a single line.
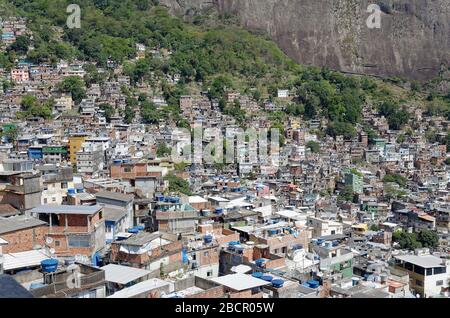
[[419, 282], [209, 273], [57, 243], [439, 283], [79, 241], [206, 253], [439, 270], [409, 266], [419, 270], [429, 271]]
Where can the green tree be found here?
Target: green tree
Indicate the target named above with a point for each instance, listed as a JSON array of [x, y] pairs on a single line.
[[346, 194], [396, 178], [108, 110], [314, 146], [428, 238], [178, 185], [128, 115], [406, 240], [163, 150], [74, 86]]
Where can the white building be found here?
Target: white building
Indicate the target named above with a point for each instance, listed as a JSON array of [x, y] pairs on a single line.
[[429, 275]]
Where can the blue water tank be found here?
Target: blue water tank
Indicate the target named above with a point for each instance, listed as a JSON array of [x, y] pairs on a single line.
[[36, 285], [159, 197], [277, 283], [297, 247], [335, 243], [117, 162], [313, 283], [140, 227], [208, 238], [320, 241], [71, 191], [257, 274], [49, 265], [272, 232], [267, 278], [260, 262], [174, 200], [133, 231], [218, 211]]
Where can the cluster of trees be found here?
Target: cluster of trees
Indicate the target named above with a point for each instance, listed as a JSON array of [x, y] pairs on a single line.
[[32, 107], [332, 95], [395, 178], [346, 194], [178, 185], [411, 241], [396, 117], [74, 86], [163, 150], [314, 146], [220, 57]]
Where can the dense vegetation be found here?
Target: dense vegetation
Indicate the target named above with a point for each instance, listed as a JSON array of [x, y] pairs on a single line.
[[213, 56], [411, 241], [178, 185]]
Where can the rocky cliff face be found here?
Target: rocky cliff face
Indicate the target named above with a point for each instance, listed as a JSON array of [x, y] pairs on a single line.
[[413, 41]]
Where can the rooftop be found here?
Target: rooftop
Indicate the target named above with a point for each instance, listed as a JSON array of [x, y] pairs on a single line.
[[426, 261], [12, 289], [240, 282], [114, 214], [19, 223], [67, 209], [115, 196], [140, 288], [123, 274]]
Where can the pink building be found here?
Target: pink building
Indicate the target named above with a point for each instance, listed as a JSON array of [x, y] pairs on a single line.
[[20, 75]]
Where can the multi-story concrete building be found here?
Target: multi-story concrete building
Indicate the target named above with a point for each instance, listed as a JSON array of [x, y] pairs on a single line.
[[90, 158], [73, 230], [429, 275]]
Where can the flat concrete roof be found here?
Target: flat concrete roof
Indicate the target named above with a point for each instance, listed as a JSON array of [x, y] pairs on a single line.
[[239, 281], [123, 274], [20, 222], [426, 261], [67, 209]]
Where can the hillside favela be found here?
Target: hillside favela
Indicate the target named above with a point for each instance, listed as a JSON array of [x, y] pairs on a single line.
[[224, 149]]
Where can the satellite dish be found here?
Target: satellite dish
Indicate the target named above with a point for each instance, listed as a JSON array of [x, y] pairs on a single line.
[[52, 251], [49, 240]]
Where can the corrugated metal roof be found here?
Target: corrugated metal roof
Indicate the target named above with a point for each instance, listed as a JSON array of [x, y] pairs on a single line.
[[23, 259]]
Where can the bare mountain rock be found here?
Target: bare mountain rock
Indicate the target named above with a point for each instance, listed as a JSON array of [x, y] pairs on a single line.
[[413, 41]]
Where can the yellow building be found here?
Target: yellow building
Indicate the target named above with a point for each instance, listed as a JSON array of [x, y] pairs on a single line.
[[75, 143]]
